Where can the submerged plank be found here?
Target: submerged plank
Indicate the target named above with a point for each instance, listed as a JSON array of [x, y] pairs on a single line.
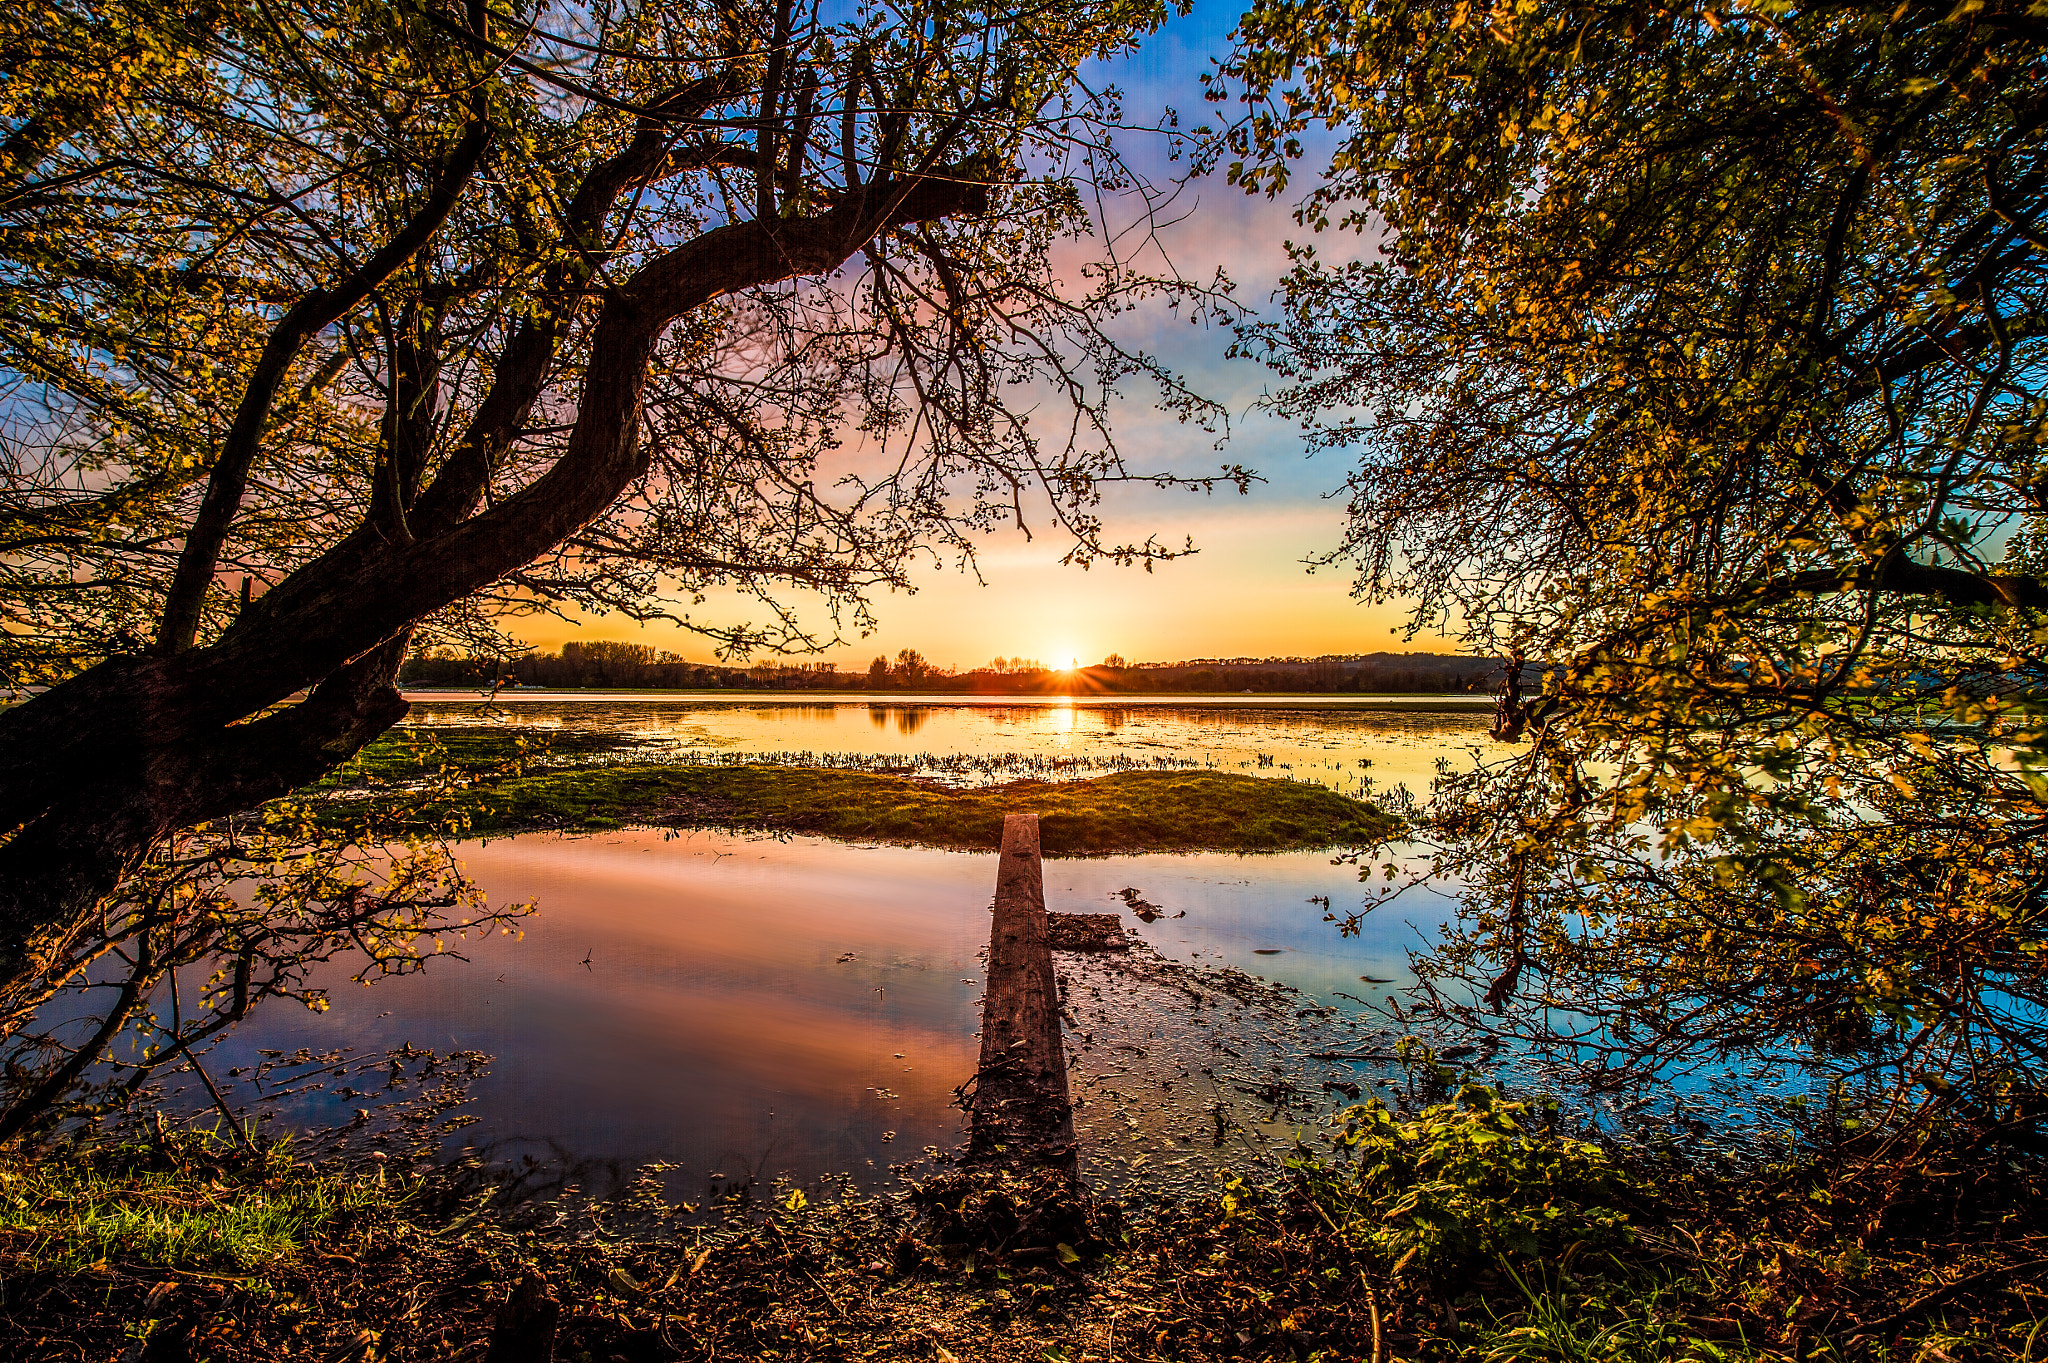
[[1019, 1109]]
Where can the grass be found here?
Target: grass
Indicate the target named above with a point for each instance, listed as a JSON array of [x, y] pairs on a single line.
[[416, 751], [130, 1203], [1553, 1323], [1124, 812]]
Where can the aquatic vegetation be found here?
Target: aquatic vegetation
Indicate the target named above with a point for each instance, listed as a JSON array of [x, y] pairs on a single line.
[[1125, 811], [413, 752], [417, 751]]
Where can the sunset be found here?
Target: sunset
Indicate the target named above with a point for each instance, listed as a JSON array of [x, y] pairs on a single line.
[[1241, 681]]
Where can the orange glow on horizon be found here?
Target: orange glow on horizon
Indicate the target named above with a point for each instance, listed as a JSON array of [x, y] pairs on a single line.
[[1245, 596]]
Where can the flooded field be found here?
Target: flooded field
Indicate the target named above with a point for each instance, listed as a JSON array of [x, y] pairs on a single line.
[[1360, 746], [751, 1007], [754, 1007]]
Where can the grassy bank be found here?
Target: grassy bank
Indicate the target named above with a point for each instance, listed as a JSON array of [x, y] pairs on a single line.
[[219, 1211], [1125, 812], [1466, 1233]]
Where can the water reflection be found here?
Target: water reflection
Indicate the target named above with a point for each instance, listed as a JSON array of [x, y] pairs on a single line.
[[1324, 744], [759, 1007], [804, 714]]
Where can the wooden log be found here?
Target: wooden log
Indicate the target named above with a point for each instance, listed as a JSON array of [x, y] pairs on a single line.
[[1020, 1112]]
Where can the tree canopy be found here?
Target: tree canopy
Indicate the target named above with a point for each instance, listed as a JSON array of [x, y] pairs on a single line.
[[1693, 356], [325, 325]]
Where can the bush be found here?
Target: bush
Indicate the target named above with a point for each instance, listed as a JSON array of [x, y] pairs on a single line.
[[1463, 1185]]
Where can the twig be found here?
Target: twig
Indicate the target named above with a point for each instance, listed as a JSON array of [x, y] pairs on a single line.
[[218, 1101], [1938, 1293], [804, 1269], [1372, 1303], [178, 1039]]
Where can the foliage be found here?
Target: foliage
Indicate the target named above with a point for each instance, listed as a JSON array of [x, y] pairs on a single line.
[[1464, 1184], [1123, 812], [327, 327], [1696, 366], [802, 1274], [226, 163], [996, 1220], [1557, 1323]]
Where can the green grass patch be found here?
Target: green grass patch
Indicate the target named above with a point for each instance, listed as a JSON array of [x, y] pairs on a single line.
[[1132, 811], [133, 1206], [417, 752]]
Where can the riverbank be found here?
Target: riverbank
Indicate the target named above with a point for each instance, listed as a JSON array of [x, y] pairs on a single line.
[[1468, 1232], [480, 783]]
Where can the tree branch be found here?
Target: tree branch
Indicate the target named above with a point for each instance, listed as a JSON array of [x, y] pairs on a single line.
[[230, 476]]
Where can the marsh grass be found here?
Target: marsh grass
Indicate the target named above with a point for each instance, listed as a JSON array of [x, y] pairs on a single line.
[[414, 753], [1123, 812], [417, 753]]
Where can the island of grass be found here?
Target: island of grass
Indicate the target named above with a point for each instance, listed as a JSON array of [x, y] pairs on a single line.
[[1133, 811]]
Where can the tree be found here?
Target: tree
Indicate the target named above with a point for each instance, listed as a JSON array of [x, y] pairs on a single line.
[[911, 666], [1697, 366], [330, 327]]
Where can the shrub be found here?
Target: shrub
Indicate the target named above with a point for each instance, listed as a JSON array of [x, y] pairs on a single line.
[[1463, 1185]]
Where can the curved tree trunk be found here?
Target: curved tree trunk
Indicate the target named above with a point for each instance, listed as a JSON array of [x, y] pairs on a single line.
[[95, 772]]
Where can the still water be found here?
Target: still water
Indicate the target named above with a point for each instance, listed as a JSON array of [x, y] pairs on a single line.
[[1361, 745], [749, 1007]]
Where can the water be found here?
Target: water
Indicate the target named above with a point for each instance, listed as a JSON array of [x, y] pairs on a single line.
[[750, 1007], [1362, 746]]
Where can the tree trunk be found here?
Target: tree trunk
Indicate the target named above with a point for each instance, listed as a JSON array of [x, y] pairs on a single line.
[[95, 772]]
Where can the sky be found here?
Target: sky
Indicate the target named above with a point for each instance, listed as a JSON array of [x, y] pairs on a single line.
[[1247, 592]]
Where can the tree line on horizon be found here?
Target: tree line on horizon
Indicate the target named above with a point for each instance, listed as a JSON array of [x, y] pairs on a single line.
[[615, 665]]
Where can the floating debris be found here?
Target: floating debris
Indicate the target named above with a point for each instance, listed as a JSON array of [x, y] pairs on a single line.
[[1086, 932], [1137, 904]]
